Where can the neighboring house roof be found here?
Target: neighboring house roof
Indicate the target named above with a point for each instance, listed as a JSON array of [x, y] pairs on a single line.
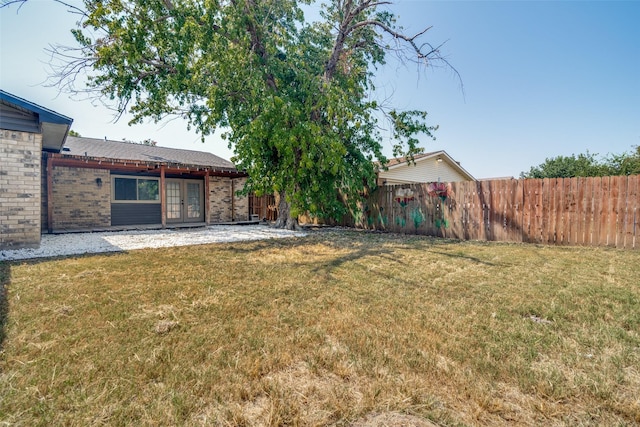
[[403, 160], [21, 115], [100, 148], [398, 163], [496, 178]]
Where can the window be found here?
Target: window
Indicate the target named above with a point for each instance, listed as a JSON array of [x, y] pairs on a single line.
[[129, 189], [148, 189], [125, 189]]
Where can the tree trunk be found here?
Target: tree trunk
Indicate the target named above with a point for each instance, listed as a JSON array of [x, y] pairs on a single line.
[[284, 213]]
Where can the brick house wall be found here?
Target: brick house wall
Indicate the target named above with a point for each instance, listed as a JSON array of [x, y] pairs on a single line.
[[19, 189], [81, 198], [220, 196], [240, 204], [44, 211], [219, 199]]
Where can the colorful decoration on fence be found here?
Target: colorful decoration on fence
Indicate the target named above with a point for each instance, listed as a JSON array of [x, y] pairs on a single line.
[[404, 196], [441, 190], [417, 217], [438, 189]]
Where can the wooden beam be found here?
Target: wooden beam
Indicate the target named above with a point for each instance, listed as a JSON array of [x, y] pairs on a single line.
[[163, 197], [140, 167], [49, 194]]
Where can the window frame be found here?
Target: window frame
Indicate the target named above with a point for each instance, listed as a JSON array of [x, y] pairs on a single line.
[[136, 178]]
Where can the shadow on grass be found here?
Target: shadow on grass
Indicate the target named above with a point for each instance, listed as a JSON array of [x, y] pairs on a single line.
[[466, 257], [363, 247], [5, 277]]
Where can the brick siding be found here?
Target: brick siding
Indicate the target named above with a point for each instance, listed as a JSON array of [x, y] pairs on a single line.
[[240, 204], [81, 198], [220, 200], [19, 189]]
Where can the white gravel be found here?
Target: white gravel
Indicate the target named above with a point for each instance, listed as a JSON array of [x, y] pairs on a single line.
[[53, 245]]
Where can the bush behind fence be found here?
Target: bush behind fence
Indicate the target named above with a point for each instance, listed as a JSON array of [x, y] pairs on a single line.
[[599, 211]]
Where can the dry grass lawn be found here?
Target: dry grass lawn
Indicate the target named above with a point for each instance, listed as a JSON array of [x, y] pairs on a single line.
[[337, 328]]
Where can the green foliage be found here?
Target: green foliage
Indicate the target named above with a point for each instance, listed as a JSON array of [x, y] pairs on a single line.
[[293, 94], [587, 165], [566, 167], [625, 163], [74, 133]]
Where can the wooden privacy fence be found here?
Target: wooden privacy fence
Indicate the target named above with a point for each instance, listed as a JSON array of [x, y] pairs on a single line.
[[601, 211]]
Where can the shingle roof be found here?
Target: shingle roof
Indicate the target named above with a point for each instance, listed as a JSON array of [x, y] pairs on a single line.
[[99, 148]]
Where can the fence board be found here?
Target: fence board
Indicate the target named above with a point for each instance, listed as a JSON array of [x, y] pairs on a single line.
[[481, 211], [556, 211], [612, 202], [620, 210], [491, 196], [576, 214], [491, 190], [502, 206], [526, 210], [537, 229], [631, 215], [508, 211], [475, 221], [423, 197], [518, 213], [604, 211], [580, 211], [454, 213], [548, 210], [588, 205], [463, 198], [568, 211], [596, 211], [504, 209], [470, 202], [466, 200], [545, 211]]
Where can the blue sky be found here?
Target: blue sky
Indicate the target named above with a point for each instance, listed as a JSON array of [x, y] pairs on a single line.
[[540, 78]]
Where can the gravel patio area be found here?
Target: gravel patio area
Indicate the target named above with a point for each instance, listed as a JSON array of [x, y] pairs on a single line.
[[88, 243]]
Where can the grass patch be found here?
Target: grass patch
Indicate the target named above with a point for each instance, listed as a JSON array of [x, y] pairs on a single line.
[[330, 329]]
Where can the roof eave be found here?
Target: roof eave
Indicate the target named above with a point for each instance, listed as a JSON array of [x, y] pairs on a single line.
[[53, 126], [429, 156]]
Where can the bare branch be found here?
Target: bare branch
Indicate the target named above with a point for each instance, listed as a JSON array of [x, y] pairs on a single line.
[[397, 35]]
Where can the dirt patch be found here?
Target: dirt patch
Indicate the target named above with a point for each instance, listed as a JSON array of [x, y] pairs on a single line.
[[393, 419], [315, 396]]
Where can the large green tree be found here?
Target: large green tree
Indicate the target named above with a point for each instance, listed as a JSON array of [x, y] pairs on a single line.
[[293, 97]]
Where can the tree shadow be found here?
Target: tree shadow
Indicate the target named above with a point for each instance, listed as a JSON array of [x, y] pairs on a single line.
[[467, 257], [5, 278]]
